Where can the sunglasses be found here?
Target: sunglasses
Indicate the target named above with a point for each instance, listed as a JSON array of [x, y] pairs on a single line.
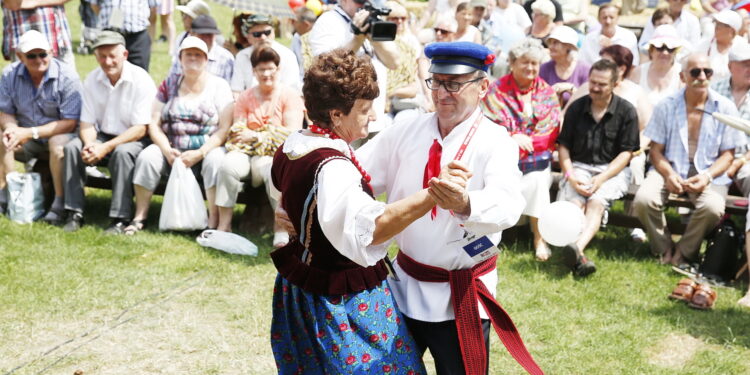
[[665, 48], [441, 31], [696, 72], [258, 34], [41, 55]]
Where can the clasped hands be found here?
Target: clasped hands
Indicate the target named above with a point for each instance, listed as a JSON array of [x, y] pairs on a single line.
[[189, 158], [696, 184], [15, 137], [448, 190], [587, 189]]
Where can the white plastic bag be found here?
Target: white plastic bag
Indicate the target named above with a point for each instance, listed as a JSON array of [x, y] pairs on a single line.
[[183, 208], [227, 242], [25, 197]]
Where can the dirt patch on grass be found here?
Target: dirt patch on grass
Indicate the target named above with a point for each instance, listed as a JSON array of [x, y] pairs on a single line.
[[674, 351]]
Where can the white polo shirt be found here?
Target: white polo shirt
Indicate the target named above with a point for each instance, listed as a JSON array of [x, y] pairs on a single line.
[[289, 71], [114, 109]]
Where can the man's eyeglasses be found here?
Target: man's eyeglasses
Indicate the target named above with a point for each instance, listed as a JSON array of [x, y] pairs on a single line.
[[695, 72], [41, 55], [450, 86], [441, 31], [258, 34], [665, 48]]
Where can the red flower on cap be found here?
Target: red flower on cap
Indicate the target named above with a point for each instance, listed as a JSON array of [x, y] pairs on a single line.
[[490, 59]]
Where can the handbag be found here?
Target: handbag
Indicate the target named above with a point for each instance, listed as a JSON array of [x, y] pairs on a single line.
[[536, 161], [25, 197], [723, 252]]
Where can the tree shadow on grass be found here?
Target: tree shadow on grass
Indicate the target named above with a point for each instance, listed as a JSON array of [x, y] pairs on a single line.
[[728, 326]]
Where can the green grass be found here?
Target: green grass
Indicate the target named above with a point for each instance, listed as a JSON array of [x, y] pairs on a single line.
[[159, 303]]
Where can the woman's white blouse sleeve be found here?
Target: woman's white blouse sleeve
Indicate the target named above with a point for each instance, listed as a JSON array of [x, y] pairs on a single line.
[[347, 214]]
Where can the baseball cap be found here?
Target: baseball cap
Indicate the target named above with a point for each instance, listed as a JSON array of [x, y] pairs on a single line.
[[194, 8], [729, 17], [458, 57], [255, 19], [478, 4], [107, 38], [204, 24], [564, 34], [740, 51], [194, 42], [32, 40]]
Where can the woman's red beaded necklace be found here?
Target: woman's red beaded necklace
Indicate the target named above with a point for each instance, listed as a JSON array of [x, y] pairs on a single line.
[[330, 134]]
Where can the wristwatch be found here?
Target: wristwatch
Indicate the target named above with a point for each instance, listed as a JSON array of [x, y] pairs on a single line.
[[34, 133]]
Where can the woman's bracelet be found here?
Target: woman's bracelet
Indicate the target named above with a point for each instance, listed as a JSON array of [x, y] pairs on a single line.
[[567, 174], [203, 152]]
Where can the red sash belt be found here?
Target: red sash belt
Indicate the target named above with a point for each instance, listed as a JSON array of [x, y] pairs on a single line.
[[466, 288]]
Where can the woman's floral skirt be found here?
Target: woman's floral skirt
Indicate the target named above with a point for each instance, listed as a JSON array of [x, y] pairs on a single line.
[[362, 333]]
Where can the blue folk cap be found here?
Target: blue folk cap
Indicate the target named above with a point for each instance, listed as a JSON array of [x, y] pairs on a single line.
[[458, 57]]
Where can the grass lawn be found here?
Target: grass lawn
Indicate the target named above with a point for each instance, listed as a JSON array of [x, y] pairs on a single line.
[[158, 303]]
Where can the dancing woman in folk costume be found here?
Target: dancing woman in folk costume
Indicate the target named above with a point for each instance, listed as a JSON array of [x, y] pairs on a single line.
[[333, 311]]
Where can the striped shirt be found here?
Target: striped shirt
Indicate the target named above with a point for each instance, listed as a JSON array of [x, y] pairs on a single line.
[[669, 127], [50, 21], [134, 14], [57, 98]]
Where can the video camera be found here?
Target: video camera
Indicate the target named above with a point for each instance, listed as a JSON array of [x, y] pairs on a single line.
[[379, 30]]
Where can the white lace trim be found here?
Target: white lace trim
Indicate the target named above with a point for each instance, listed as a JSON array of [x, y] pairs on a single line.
[[299, 144], [364, 222]]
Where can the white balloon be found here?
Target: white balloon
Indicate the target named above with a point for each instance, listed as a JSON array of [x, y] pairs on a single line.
[[561, 223]]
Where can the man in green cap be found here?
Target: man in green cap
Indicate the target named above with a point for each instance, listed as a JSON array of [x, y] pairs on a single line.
[[117, 101]]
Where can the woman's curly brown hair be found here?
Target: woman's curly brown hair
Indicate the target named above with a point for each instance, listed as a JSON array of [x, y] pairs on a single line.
[[335, 80]]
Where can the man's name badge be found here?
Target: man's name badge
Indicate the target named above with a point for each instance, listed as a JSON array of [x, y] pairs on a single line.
[[479, 248]]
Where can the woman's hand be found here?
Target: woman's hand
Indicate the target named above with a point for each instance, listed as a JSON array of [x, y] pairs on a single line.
[[563, 87], [191, 157], [170, 154], [524, 142], [283, 222], [248, 136]]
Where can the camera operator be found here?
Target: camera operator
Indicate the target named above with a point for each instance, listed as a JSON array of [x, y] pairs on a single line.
[[334, 30]]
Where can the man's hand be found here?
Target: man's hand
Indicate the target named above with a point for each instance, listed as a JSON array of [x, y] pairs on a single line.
[[456, 172], [94, 153], [697, 183], [360, 20], [449, 195], [735, 167], [191, 158], [674, 184], [15, 137], [524, 142], [170, 154]]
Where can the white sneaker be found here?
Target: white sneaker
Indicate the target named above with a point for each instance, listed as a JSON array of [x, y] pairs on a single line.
[[638, 235], [93, 171]]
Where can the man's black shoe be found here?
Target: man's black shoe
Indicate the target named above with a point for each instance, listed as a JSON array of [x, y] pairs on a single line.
[[74, 222]]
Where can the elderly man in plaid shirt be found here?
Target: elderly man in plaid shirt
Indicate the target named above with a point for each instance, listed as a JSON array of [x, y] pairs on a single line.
[[21, 16], [690, 153]]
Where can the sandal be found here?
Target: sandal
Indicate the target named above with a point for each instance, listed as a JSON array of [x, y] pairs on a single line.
[[704, 298], [134, 227], [684, 290]]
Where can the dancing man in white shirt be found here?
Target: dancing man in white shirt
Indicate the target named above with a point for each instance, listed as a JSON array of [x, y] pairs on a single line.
[[446, 265]]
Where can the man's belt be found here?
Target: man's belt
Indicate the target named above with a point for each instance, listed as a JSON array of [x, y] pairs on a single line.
[[466, 288]]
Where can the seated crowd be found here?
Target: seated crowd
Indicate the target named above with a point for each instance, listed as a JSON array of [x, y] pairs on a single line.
[[616, 111]]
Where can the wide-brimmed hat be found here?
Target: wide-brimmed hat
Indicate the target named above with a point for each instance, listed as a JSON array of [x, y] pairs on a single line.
[[194, 8], [32, 40], [564, 34], [204, 24], [665, 35]]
